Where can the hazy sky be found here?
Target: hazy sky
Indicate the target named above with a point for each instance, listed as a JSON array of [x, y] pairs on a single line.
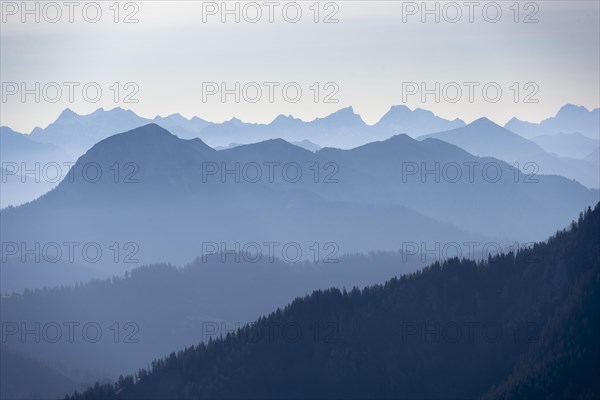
[[375, 54]]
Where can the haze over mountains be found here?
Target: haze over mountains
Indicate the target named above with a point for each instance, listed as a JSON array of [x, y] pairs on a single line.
[[71, 135], [299, 200], [23, 161], [380, 204], [165, 190], [169, 307], [76, 133], [344, 129], [485, 138], [521, 325], [573, 145], [569, 119]]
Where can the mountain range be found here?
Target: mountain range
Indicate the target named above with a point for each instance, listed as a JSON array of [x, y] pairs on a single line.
[[172, 195], [485, 138], [517, 326], [386, 205], [569, 119], [71, 135], [572, 145], [29, 168], [169, 306], [77, 133]]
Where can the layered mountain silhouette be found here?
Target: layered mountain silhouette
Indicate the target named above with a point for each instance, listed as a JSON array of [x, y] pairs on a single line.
[[170, 206], [400, 119], [572, 145], [485, 138], [73, 134], [18, 189], [374, 197], [181, 126], [343, 128], [169, 307], [77, 133], [517, 326], [569, 119], [376, 204], [29, 168], [21, 148]]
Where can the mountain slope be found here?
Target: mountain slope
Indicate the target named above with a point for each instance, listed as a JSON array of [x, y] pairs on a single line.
[[572, 145], [29, 169], [363, 199], [26, 378], [343, 128], [166, 182], [569, 119], [453, 330], [400, 119], [181, 126], [19, 148], [77, 133], [168, 307], [485, 138]]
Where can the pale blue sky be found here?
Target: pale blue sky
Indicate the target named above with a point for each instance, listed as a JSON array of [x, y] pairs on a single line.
[[368, 53]]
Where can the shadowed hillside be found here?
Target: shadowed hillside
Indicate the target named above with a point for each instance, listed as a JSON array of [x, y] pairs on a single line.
[[518, 325]]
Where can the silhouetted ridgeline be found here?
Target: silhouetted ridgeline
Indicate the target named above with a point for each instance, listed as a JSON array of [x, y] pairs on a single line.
[[380, 196], [159, 308], [521, 325]]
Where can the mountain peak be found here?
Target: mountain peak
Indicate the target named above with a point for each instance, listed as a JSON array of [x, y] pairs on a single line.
[[176, 116], [423, 111], [278, 143], [147, 136], [401, 138], [272, 149], [512, 121], [397, 110], [570, 109], [150, 129], [235, 121], [484, 122], [343, 112], [67, 113], [283, 118], [117, 110], [342, 115]]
